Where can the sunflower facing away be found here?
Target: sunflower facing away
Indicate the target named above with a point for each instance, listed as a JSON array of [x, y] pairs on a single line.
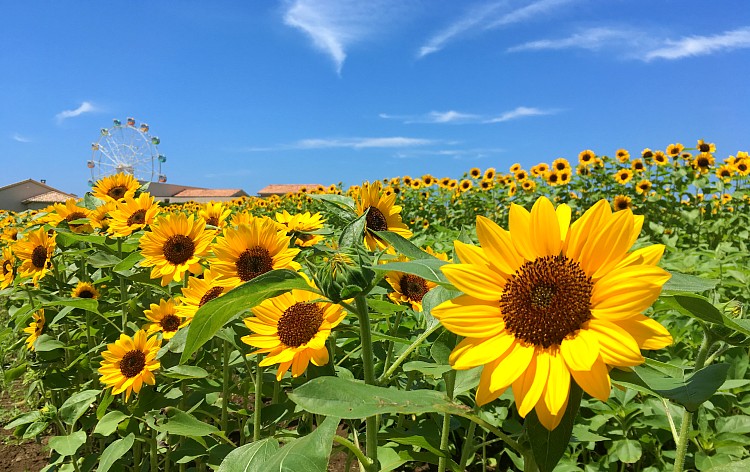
[[34, 330], [175, 245], [201, 290], [35, 253], [8, 262], [129, 363], [132, 214], [383, 215], [85, 290], [164, 318], [292, 329], [547, 303], [115, 187]]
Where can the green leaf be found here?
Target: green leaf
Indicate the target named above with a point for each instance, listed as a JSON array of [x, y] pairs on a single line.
[[88, 304], [250, 456], [433, 298], [102, 260], [128, 263], [403, 245], [734, 466], [348, 399], [386, 308], [46, 343], [307, 454], [549, 446], [67, 445], [338, 200], [15, 373], [466, 380], [76, 405], [427, 368], [695, 306], [353, 233], [185, 424], [212, 316], [627, 450], [26, 418], [688, 283], [428, 269], [109, 422], [185, 372], [115, 451]]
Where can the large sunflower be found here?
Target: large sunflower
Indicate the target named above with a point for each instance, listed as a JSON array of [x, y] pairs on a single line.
[[35, 253], [382, 214], [548, 301], [8, 262], [201, 290], [292, 328], [245, 252], [129, 363], [132, 214], [164, 318], [34, 330], [115, 187], [175, 245]]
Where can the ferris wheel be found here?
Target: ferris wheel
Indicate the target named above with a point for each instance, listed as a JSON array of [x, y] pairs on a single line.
[[129, 149]]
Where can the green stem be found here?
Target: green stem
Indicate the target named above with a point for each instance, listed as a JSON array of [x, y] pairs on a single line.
[[392, 344], [468, 447], [154, 456], [364, 460], [422, 337], [258, 400], [450, 380], [123, 294], [371, 422], [225, 389]]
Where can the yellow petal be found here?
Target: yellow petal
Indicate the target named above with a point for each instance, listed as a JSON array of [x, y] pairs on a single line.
[[616, 346], [475, 280], [528, 388], [648, 333], [546, 418], [545, 228], [558, 383], [608, 246], [473, 352], [471, 317], [582, 229], [512, 364], [470, 254], [484, 394], [580, 351], [256, 326], [649, 255], [519, 222], [320, 357], [563, 213], [498, 246], [594, 380]]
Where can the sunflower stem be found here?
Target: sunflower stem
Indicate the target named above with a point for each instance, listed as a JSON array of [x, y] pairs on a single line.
[[388, 373], [468, 447], [225, 389], [154, 456], [450, 380], [353, 449], [258, 399], [371, 422]]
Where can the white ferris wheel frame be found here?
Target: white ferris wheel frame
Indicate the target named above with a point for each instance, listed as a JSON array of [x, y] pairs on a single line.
[[126, 148]]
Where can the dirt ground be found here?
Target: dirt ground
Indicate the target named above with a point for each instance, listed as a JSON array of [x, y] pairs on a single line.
[[17, 455]]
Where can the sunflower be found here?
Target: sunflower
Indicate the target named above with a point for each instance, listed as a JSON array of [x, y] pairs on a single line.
[[301, 225], [35, 253], [452, 184], [674, 150], [475, 172], [129, 363], [553, 178], [8, 263], [10, 234], [561, 164], [115, 187], [489, 173], [405, 179], [245, 252], [549, 301], [660, 158], [703, 162], [35, 328], [742, 167], [724, 172], [174, 245], [410, 288], [725, 198], [647, 154], [521, 175], [100, 217], [215, 214], [540, 170], [622, 202], [515, 167], [564, 177], [622, 155], [201, 290], [465, 185], [444, 182], [69, 212], [164, 318], [623, 176], [382, 214], [637, 165], [486, 184], [586, 157], [292, 329], [512, 189], [528, 185], [643, 186], [132, 214], [85, 290], [428, 180], [703, 146]]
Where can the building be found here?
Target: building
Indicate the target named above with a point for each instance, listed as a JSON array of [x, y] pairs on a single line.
[[173, 193], [30, 195], [283, 189]]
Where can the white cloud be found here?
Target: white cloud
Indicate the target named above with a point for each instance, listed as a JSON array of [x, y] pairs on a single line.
[[20, 138], [452, 116], [348, 143], [701, 45], [490, 16], [86, 107], [592, 39]]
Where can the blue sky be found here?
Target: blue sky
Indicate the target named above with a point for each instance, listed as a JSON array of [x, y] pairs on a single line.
[[245, 94]]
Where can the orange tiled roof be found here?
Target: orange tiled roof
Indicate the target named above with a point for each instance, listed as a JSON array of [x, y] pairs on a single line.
[[49, 197], [210, 192], [282, 189]]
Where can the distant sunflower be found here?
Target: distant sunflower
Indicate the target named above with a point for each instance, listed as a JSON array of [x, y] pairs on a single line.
[[724, 172], [489, 173], [643, 186], [35, 328], [129, 363], [85, 290], [245, 252], [35, 253], [586, 157], [742, 167], [622, 155], [486, 184], [540, 170], [174, 245], [452, 184], [726, 198], [292, 329], [647, 154], [428, 180], [703, 162], [406, 180], [637, 165], [382, 215], [528, 185], [622, 202], [8, 262], [100, 217], [475, 172], [623, 176], [564, 176], [165, 318], [201, 290], [69, 212], [561, 164], [553, 178], [301, 225], [115, 187], [703, 146], [133, 214], [444, 182], [215, 213], [410, 288], [660, 158], [515, 167], [674, 150], [465, 185], [521, 175], [549, 303], [512, 189]]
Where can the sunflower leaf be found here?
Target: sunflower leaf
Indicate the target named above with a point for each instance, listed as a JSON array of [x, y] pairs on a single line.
[[353, 233], [403, 245], [76, 405], [338, 200], [115, 451], [185, 424], [212, 316], [307, 454], [250, 456], [428, 269], [688, 283], [67, 445]]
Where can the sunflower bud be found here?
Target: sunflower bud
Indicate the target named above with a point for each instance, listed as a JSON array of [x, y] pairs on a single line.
[[345, 274]]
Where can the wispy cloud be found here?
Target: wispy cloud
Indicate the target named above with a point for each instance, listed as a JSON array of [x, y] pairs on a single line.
[[701, 45], [456, 154], [347, 143], [20, 138], [334, 25], [455, 117], [592, 39], [490, 16], [86, 107]]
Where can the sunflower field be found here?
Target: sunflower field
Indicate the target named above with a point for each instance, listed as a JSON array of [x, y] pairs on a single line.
[[584, 316]]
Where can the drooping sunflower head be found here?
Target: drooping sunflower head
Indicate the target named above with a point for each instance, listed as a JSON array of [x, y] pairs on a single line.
[[35, 252], [8, 263], [201, 290], [165, 318], [174, 245], [129, 363], [115, 187], [215, 213], [382, 214], [34, 330], [548, 302], [85, 290]]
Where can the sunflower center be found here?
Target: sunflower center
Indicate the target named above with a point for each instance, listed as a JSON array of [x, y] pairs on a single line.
[[39, 257], [137, 218], [117, 192], [299, 323], [703, 162], [86, 293], [253, 262], [178, 249], [621, 204], [414, 287], [7, 266], [376, 220], [76, 215], [704, 148], [170, 323], [213, 221], [132, 363], [546, 300], [210, 294]]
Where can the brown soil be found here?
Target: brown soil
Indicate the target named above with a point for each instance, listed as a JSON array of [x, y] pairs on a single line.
[[17, 455]]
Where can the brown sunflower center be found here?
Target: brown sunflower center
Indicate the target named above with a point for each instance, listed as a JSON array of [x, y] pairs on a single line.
[[299, 323], [210, 294], [414, 287], [39, 257], [703, 162], [86, 293], [546, 300], [137, 218], [621, 204], [132, 363], [213, 221], [117, 192], [253, 262], [376, 220], [638, 166], [704, 147], [170, 323], [178, 249], [76, 215], [7, 266]]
